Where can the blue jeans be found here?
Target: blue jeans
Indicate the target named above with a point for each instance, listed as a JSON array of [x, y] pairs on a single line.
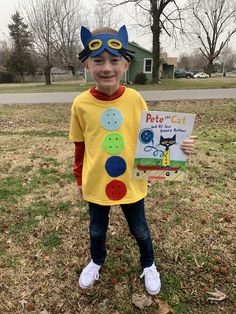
[[135, 216]]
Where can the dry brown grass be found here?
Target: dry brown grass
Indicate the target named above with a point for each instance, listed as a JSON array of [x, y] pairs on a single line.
[[44, 229]]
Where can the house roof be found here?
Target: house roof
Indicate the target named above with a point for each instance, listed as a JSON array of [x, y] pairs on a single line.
[[168, 60], [163, 55], [172, 60], [132, 43]]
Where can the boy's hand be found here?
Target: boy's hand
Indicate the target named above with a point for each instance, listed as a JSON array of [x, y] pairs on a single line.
[[187, 145], [80, 193]]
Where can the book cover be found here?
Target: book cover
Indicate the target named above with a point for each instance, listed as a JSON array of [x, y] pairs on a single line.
[[158, 152]]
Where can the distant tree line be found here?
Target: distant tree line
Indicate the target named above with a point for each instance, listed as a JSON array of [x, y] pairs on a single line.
[[226, 62], [45, 33]]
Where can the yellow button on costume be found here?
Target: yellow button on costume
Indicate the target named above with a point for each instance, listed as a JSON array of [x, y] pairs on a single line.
[[109, 130]]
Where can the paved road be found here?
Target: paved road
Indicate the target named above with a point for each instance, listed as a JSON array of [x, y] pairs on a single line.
[[36, 98]]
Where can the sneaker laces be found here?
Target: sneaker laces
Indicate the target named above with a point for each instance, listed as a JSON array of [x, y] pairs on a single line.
[[93, 271], [96, 275], [150, 272]]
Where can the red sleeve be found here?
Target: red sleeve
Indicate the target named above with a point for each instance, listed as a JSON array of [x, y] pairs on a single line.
[[78, 164]]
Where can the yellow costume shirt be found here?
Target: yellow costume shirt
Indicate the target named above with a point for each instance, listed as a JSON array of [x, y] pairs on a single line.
[[109, 130]]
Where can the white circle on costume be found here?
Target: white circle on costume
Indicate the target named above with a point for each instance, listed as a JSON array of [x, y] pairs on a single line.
[[111, 119]]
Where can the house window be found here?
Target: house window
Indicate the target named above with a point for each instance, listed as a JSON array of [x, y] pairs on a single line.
[[147, 66]]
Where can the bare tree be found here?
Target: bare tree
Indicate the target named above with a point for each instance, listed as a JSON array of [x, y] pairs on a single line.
[[5, 53], [41, 20], [55, 27], [193, 61], [159, 16], [185, 62], [227, 60], [103, 16], [68, 20], [213, 25]]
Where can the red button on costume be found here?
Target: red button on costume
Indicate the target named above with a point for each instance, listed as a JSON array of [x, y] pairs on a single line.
[[116, 190]]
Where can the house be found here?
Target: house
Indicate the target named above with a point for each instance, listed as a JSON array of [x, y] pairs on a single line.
[[142, 63], [168, 65]]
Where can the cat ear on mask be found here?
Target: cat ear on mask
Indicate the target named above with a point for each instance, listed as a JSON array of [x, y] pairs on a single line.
[[122, 33], [174, 137], [85, 35]]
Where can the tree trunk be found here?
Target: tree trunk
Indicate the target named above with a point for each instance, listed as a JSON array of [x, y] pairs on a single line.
[[72, 69], [156, 57], [47, 74], [156, 43], [22, 77], [210, 67]]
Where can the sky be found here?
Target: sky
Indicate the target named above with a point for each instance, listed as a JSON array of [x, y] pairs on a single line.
[[8, 7]]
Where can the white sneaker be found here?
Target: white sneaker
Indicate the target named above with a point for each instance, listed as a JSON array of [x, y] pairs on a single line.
[[151, 279], [89, 274]]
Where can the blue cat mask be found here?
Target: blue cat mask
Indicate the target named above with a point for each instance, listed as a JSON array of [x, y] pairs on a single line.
[[94, 45]]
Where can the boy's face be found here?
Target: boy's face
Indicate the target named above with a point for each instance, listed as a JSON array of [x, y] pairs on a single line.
[[107, 71]]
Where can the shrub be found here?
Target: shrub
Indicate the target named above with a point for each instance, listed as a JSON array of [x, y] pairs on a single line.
[[140, 78], [6, 77]]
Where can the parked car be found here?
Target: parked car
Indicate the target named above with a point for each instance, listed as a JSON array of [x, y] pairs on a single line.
[[183, 74], [201, 75]]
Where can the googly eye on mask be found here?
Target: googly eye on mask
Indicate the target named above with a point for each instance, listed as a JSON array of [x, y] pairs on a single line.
[[94, 45]]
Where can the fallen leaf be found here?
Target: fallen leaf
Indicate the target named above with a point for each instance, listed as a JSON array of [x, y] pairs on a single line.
[[9, 241], [141, 300], [164, 307], [47, 258], [38, 218], [223, 270], [23, 303], [30, 307], [5, 226], [217, 296], [104, 305]]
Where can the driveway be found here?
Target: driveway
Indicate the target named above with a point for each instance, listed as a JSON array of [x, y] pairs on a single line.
[[196, 94]]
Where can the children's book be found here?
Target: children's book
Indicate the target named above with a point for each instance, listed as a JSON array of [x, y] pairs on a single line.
[[158, 152]]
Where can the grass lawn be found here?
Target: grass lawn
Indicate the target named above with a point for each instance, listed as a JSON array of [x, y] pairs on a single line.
[[166, 84], [44, 240]]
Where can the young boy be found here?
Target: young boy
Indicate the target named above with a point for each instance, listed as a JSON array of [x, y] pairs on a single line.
[[104, 127]]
